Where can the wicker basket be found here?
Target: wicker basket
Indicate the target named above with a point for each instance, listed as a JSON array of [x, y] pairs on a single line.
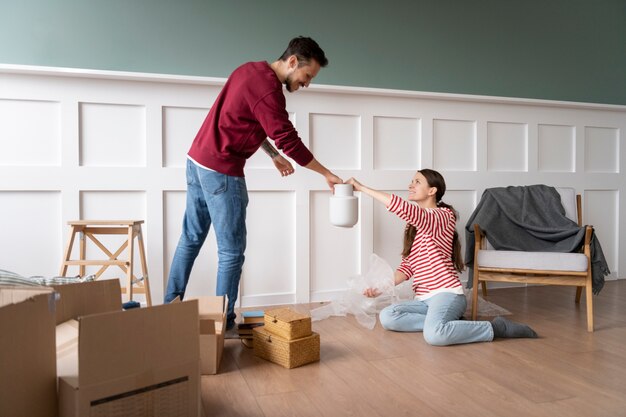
[[287, 323], [287, 353]]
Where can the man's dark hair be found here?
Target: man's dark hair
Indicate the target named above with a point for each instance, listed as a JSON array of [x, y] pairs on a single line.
[[305, 49]]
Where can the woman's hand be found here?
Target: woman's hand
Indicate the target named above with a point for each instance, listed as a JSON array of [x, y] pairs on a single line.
[[357, 185], [371, 292]]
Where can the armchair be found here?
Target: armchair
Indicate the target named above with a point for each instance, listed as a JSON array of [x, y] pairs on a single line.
[[552, 268]]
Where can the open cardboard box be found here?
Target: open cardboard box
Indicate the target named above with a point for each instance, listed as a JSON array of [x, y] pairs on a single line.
[[138, 362], [212, 319], [27, 358]]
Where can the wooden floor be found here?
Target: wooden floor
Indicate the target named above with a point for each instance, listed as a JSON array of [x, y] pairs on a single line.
[[566, 372]]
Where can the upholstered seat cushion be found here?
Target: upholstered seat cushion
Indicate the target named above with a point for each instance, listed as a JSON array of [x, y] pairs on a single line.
[[547, 261]]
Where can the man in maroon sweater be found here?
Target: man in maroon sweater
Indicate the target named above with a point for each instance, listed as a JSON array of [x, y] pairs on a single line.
[[250, 108]]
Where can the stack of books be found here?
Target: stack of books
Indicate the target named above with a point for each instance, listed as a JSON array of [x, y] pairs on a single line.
[[251, 319]]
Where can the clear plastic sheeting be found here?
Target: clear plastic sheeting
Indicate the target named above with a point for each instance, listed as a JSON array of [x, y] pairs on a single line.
[[380, 277], [11, 278], [352, 301]]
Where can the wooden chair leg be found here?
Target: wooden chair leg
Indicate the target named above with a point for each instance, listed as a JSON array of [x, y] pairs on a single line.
[[484, 286], [589, 300], [579, 291]]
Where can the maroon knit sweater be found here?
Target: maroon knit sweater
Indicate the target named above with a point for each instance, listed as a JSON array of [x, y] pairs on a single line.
[[250, 108]]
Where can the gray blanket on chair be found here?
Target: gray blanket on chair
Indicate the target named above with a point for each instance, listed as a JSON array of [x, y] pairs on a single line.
[[530, 218]]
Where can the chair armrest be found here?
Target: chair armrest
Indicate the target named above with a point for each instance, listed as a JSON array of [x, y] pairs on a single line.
[[479, 238]]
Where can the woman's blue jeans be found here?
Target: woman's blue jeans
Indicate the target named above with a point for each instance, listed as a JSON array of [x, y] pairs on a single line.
[[219, 200], [438, 317]]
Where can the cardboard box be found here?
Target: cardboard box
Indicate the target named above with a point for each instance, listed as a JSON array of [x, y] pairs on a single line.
[[212, 316], [27, 360], [141, 362], [287, 353]]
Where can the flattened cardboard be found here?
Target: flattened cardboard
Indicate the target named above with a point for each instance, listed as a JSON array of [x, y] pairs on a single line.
[[27, 362]]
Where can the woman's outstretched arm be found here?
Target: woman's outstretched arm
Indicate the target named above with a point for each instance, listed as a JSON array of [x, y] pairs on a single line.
[[381, 196]]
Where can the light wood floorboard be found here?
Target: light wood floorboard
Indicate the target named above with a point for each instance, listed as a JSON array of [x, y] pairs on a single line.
[[567, 372]]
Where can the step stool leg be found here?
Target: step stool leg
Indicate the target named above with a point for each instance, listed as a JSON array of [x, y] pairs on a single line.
[[68, 252], [130, 263], [144, 265]]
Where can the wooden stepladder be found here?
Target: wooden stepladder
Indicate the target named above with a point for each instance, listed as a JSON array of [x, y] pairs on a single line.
[[91, 228]]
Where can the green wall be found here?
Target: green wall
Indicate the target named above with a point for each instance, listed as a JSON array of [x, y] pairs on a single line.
[[573, 50]]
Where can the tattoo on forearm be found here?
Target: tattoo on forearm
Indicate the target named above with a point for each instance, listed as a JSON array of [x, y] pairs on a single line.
[[269, 149]]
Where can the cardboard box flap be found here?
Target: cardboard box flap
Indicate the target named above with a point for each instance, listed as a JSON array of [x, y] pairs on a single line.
[[207, 326], [135, 342], [85, 298], [12, 294], [211, 308]]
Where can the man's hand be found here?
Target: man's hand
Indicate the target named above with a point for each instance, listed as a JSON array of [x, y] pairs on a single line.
[[332, 179], [282, 165]]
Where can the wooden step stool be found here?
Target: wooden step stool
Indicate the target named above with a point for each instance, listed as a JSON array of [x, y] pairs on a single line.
[[130, 228]]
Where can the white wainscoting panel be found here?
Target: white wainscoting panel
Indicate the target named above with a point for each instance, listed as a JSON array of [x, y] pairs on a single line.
[[601, 149], [105, 145], [454, 145], [336, 140], [31, 232], [180, 126], [507, 146], [112, 135], [557, 148], [397, 143], [30, 133], [335, 251]]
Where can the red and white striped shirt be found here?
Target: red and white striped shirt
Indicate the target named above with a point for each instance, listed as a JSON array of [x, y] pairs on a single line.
[[430, 261]]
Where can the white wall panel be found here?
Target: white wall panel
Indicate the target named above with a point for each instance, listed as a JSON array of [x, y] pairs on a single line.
[[601, 149], [507, 146], [30, 225], [336, 140], [270, 274], [557, 148], [454, 145], [113, 146], [30, 133], [397, 143], [335, 251], [112, 135], [180, 126]]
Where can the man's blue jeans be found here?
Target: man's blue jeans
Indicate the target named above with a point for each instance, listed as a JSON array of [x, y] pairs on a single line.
[[439, 318], [219, 200]]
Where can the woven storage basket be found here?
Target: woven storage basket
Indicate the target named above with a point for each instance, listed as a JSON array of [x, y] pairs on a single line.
[[287, 323], [287, 353]]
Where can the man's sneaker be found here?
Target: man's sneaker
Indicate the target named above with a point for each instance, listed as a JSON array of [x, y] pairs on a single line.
[[231, 333]]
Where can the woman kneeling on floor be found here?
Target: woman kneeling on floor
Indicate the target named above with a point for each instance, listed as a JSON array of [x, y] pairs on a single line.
[[431, 258]]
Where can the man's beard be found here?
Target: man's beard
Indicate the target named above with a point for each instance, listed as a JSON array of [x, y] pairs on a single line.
[[288, 83]]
